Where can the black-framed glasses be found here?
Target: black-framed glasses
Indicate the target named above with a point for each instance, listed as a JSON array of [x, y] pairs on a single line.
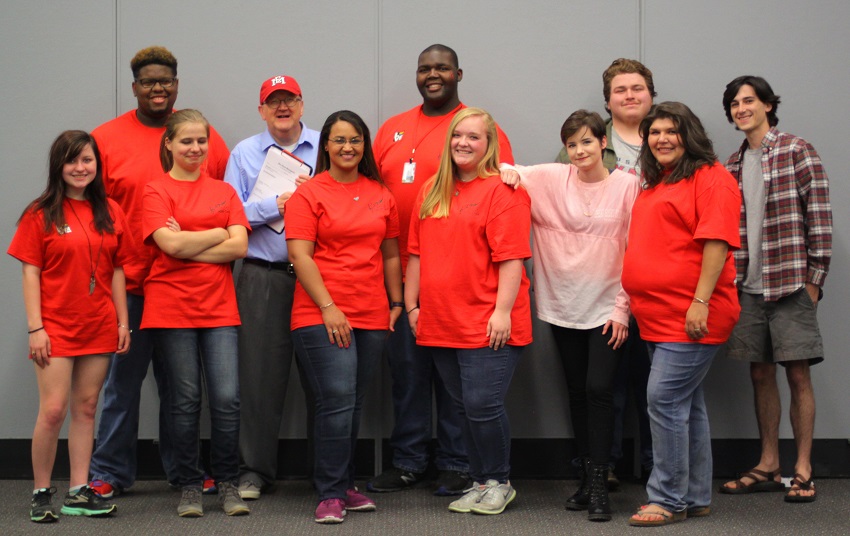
[[289, 102], [354, 142], [149, 83]]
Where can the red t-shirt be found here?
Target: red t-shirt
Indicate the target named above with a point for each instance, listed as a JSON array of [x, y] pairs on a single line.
[[76, 322], [129, 151], [459, 260], [412, 135], [348, 234], [182, 293], [663, 261]]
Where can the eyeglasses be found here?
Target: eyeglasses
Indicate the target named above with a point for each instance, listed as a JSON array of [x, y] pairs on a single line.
[[290, 102], [354, 142], [149, 83]]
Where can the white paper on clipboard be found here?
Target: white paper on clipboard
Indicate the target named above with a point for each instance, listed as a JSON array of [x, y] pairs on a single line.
[[278, 174]]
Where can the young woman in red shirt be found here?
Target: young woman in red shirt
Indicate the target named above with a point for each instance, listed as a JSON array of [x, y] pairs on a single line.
[[680, 276], [199, 227], [341, 231], [466, 294], [71, 244]]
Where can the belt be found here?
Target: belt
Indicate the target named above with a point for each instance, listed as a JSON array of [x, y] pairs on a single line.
[[282, 266]]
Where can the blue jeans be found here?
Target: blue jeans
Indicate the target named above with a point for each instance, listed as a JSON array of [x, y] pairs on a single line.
[[413, 375], [114, 459], [478, 380], [681, 439], [198, 357], [339, 378]]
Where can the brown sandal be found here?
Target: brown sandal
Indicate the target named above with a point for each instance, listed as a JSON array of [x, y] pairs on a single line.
[[793, 495], [768, 484], [638, 519]]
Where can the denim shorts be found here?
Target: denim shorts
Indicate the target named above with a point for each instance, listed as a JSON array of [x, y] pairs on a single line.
[[776, 332]]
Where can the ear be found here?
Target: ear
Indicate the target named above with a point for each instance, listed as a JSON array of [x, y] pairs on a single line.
[[459, 75], [604, 142], [168, 144], [133, 85], [768, 107]]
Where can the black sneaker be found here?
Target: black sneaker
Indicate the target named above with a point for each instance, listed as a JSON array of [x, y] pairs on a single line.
[[86, 503], [42, 510], [451, 483], [394, 479]]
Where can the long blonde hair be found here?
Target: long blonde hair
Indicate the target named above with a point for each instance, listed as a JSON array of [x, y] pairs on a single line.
[[438, 199]]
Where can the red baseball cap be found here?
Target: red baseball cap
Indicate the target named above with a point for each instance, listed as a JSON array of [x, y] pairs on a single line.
[[279, 83]]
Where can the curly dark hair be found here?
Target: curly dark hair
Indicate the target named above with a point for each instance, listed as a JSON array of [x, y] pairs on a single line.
[[154, 55], [699, 150]]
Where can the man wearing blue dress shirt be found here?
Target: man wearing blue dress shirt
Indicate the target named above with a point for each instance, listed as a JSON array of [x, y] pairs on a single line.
[[266, 284]]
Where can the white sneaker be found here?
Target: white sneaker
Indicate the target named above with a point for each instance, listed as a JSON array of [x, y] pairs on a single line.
[[470, 497], [249, 491], [494, 498]]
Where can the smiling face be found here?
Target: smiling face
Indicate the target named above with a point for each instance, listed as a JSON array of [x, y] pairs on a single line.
[[749, 113], [585, 150], [284, 122], [189, 146], [79, 172], [155, 104], [469, 144], [437, 77], [630, 99], [345, 148], [665, 143]]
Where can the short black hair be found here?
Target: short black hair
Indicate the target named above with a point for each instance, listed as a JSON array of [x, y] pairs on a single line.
[[443, 48], [763, 91]]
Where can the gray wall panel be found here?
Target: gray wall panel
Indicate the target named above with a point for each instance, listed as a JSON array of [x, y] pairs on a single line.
[[66, 66]]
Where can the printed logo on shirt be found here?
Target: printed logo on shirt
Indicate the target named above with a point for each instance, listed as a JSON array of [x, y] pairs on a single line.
[[64, 230], [398, 135], [219, 208], [376, 205], [466, 207]]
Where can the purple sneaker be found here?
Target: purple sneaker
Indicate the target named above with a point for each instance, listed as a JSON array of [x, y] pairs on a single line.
[[357, 502], [330, 511]]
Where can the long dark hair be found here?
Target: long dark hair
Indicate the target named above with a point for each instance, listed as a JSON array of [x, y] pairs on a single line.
[[699, 150], [66, 147], [367, 166]]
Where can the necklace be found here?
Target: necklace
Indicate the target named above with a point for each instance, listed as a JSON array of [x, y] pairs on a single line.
[[92, 262], [589, 195], [355, 196]]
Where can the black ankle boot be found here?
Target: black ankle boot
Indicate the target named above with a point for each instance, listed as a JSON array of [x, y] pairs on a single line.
[[581, 498], [598, 508]]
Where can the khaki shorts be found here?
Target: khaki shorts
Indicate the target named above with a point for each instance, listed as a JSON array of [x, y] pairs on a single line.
[[776, 332]]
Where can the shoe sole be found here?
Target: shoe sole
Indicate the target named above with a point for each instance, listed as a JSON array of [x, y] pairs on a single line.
[[66, 511], [699, 511], [459, 510], [249, 495], [508, 500], [191, 513], [48, 517], [238, 511], [363, 508], [330, 520]]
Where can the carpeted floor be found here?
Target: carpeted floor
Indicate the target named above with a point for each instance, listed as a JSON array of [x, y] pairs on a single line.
[[149, 508]]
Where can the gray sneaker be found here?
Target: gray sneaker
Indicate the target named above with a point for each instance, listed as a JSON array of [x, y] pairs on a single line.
[[190, 503], [470, 498], [249, 491], [230, 500], [494, 498]]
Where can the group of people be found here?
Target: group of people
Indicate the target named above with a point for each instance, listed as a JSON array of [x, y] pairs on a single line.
[[646, 251]]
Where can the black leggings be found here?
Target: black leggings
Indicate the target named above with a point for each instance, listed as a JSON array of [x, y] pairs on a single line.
[[590, 366]]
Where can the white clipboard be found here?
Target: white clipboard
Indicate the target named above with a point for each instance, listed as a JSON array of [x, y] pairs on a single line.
[[278, 174]]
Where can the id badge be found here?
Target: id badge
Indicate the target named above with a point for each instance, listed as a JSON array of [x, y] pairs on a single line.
[[408, 173]]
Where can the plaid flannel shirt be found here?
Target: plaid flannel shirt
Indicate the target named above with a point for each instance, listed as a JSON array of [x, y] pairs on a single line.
[[797, 235]]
